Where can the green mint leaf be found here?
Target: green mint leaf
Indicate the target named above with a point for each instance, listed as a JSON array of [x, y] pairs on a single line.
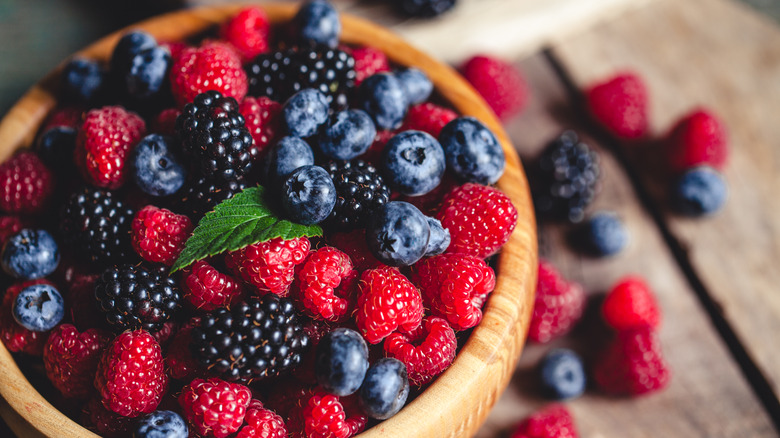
[[237, 222]]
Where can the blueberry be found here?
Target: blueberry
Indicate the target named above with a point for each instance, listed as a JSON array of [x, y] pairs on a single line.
[[308, 195], [383, 97], [288, 154], [147, 73], [82, 80], [384, 389], [161, 424], [39, 307], [304, 112], [341, 361], [563, 375], [473, 151], [416, 85], [413, 163], [30, 254], [398, 234], [699, 191], [156, 170], [603, 234], [439, 240], [131, 44], [318, 22], [425, 8], [349, 135], [55, 147]]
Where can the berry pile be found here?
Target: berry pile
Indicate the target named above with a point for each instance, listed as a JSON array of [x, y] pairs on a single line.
[[270, 331]]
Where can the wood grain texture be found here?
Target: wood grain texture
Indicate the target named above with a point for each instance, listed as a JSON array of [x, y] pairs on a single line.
[[707, 396], [717, 54], [457, 403]]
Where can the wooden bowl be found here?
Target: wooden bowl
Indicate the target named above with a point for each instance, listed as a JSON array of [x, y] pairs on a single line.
[[459, 400]]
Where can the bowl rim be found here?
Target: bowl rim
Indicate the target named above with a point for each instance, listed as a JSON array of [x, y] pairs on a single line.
[[458, 401]]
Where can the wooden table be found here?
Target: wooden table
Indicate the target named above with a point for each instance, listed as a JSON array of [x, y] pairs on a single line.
[[717, 279]]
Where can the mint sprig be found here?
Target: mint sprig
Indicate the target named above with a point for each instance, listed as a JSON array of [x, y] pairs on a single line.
[[237, 222]]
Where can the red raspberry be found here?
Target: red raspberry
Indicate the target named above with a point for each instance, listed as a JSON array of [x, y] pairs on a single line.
[[9, 225], [558, 306], [262, 120], [430, 203], [325, 417], [387, 301], [369, 61], [554, 421], [631, 305], [214, 407], [159, 234], [69, 117], [179, 363], [455, 286], [165, 335], [427, 352], [108, 424], [500, 84], [130, 377], [479, 218], [326, 284], [208, 289], [104, 142], [620, 104], [374, 153], [165, 122], [247, 31], [354, 245], [262, 423], [213, 66], [269, 265], [26, 184], [71, 359], [428, 117], [633, 364], [697, 138], [81, 305], [15, 337]]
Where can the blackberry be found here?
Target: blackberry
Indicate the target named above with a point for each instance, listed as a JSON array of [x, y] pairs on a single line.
[[565, 178], [97, 224], [259, 338], [267, 75], [202, 195], [136, 297], [360, 190], [215, 137]]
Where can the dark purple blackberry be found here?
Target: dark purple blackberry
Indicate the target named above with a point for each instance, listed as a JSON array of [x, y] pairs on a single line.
[[564, 179], [425, 8], [267, 75], [136, 297], [215, 138], [96, 224], [359, 189], [202, 195], [259, 338]]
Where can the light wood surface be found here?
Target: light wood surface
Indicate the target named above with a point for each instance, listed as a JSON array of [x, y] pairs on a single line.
[[460, 399]]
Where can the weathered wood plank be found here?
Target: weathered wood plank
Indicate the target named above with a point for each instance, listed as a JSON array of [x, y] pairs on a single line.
[[718, 54], [708, 396]]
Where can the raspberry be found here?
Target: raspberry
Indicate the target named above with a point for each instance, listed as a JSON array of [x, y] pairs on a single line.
[[633, 364], [369, 61], [107, 423], [262, 423], [387, 301], [428, 117], [326, 284], [207, 289], [262, 120], [213, 66], [9, 225], [159, 234], [558, 306], [620, 104], [430, 203], [26, 184], [354, 245], [698, 138], [15, 337], [179, 363], [631, 305], [71, 359], [374, 153], [214, 407], [479, 218], [455, 286], [500, 84], [104, 142], [165, 122], [269, 265], [130, 377], [175, 47], [81, 304], [248, 31], [69, 117], [325, 417], [427, 352], [554, 421]]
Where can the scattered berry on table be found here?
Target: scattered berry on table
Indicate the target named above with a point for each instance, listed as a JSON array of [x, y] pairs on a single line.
[[261, 116], [157, 169], [630, 304], [360, 191], [71, 359], [698, 138], [30, 254], [326, 416], [341, 361], [26, 184], [201, 196], [347, 135], [248, 32], [368, 62], [165, 122], [387, 302], [213, 66], [632, 364], [501, 84], [558, 306], [385, 388], [326, 285], [284, 157], [413, 163], [398, 233], [318, 22], [480, 219], [565, 178], [382, 96], [416, 85], [562, 374], [207, 289], [425, 8], [55, 148], [39, 307], [699, 191], [308, 195], [428, 117], [262, 423], [427, 352], [83, 80], [602, 234], [439, 240], [473, 151], [161, 424], [214, 407], [305, 112], [269, 266], [15, 337], [159, 234], [620, 103], [553, 421]]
